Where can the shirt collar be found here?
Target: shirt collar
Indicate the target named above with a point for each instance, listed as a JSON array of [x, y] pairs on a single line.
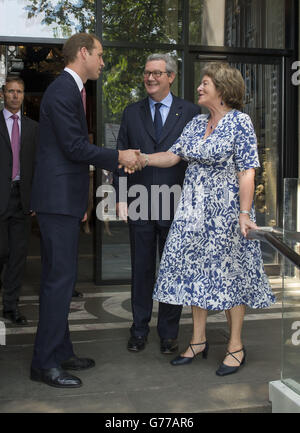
[[76, 78], [7, 114], [167, 101]]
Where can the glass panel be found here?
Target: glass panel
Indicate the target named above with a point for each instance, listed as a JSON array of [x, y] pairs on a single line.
[[122, 84], [157, 21], [51, 19], [238, 23], [262, 103], [290, 368]]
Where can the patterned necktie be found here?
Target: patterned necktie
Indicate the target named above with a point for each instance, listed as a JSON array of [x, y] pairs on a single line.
[[158, 124], [83, 96], [15, 146]]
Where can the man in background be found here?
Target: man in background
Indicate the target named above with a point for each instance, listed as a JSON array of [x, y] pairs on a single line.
[[18, 138]]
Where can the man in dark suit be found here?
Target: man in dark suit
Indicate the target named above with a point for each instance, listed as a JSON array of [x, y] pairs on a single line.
[[60, 199], [152, 125], [18, 137]]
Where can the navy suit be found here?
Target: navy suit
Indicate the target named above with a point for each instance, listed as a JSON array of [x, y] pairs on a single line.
[[137, 132], [60, 199]]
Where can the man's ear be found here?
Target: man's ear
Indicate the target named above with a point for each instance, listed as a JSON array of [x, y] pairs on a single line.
[[83, 52], [172, 77]]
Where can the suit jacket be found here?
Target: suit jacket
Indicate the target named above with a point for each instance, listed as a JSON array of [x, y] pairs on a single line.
[[137, 132], [29, 129], [61, 179]]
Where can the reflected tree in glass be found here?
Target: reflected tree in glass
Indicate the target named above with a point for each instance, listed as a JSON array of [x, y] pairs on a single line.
[[146, 21]]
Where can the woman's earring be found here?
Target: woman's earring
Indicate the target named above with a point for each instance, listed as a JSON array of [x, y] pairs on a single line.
[[222, 103]]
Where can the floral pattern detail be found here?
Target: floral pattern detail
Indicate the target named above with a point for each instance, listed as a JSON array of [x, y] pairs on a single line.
[[206, 261]]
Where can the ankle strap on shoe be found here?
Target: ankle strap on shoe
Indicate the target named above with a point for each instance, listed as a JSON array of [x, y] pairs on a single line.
[[196, 344], [232, 354]]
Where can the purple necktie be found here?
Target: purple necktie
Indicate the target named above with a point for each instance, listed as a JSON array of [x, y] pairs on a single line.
[[15, 146], [83, 95]]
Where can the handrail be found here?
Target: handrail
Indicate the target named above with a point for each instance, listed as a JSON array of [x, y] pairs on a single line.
[[268, 234]]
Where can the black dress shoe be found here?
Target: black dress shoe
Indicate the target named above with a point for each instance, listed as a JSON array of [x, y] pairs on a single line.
[[77, 294], [76, 363], [136, 344], [225, 370], [15, 317], [168, 346], [56, 377], [183, 360]]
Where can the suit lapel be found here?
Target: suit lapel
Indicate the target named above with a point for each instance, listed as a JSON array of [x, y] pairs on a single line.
[[3, 130], [147, 118], [172, 119]]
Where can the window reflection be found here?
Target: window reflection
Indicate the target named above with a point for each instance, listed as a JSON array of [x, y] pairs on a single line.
[[237, 23], [157, 21]]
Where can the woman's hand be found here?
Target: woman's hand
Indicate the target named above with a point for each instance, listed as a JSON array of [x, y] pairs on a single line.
[[246, 224]]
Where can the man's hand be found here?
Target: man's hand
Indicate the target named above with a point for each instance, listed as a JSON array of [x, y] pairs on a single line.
[[122, 211], [131, 160], [142, 162]]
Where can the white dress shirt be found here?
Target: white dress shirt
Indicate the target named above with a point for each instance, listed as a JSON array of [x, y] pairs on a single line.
[[76, 78]]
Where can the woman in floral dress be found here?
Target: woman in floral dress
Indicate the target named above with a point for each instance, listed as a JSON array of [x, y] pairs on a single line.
[[208, 263]]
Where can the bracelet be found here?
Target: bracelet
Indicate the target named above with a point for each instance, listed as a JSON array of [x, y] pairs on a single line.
[[245, 211], [146, 157]]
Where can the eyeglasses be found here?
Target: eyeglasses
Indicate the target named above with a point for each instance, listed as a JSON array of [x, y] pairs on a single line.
[[155, 74]]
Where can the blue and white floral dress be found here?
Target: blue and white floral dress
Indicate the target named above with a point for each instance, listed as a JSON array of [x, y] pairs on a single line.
[[206, 261]]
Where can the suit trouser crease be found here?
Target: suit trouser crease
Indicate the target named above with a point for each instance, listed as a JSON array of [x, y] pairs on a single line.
[[15, 231], [144, 240], [59, 251]]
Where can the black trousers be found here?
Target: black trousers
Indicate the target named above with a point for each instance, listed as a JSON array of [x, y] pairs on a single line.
[[144, 241], [14, 237]]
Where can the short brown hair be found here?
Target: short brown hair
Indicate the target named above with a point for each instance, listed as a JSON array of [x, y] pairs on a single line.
[[229, 83], [12, 79], [75, 43]]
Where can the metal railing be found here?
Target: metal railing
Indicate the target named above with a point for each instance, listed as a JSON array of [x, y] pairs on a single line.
[[272, 237]]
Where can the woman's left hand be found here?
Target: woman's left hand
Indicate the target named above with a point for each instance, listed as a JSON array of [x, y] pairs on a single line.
[[246, 224]]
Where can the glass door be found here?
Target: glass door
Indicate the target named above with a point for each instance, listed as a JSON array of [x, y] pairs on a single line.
[[263, 102]]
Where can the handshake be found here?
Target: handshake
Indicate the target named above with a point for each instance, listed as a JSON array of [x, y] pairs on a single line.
[[132, 160]]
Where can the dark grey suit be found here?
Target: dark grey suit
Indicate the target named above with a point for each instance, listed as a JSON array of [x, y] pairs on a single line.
[[15, 207]]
